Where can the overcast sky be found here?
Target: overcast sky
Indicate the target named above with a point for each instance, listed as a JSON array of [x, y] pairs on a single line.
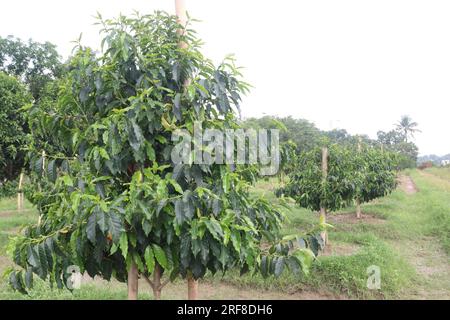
[[357, 65]]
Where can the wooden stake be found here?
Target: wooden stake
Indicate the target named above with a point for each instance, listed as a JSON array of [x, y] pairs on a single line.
[[358, 209], [20, 194], [180, 9], [43, 160], [133, 282], [323, 210], [358, 201]]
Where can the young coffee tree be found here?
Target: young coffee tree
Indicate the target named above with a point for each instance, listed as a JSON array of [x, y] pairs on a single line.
[[13, 96], [376, 174], [323, 180], [288, 158], [110, 197]]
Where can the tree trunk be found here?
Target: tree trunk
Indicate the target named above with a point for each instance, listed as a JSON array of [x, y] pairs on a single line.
[[180, 10], [133, 282], [358, 209], [192, 288], [157, 282]]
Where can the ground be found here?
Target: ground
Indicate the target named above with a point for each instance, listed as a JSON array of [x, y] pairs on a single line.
[[406, 234]]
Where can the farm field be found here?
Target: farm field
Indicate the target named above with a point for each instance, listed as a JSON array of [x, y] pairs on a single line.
[[406, 234]]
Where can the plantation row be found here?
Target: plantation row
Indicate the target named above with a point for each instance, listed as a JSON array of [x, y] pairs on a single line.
[[113, 203], [330, 179]]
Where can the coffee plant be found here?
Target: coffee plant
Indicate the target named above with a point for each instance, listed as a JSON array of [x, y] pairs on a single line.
[[378, 173], [109, 197], [352, 174], [13, 96], [307, 187]]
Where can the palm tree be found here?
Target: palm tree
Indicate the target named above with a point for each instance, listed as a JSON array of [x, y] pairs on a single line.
[[407, 127]]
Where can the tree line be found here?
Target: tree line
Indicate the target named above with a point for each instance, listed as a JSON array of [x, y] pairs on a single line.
[[306, 136]]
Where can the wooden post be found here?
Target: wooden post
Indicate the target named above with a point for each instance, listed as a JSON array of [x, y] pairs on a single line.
[[43, 160], [358, 201], [323, 210], [20, 196], [133, 282], [43, 169], [180, 9], [358, 208]]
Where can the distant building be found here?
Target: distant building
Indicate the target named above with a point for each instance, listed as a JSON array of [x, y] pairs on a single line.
[[425, 165], [445, 162]]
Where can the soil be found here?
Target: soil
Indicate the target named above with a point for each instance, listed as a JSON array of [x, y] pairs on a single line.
[[340, 249], [214, 290], [9, 213], [350, 218], [225, 291]]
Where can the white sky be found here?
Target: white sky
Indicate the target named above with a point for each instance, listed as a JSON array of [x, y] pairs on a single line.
[[357, 65]]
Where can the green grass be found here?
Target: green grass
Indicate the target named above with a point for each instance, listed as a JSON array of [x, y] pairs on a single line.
[[408, 238], [344, 274], [41, 291], [341, 275], [443, 172], [407, 221]]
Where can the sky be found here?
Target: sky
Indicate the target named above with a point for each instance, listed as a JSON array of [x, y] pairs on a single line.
[[355, 65]]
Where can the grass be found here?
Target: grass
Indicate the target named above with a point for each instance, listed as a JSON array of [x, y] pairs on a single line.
[[406, 235], [345, 274], [441, 172]]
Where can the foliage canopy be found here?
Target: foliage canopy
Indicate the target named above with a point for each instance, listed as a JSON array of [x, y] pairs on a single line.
[[351, 175], [13, 96]]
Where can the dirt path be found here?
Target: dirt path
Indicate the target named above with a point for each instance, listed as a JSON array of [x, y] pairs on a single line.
[[425, 254], [431, 263], [407, 184], [220, 290]]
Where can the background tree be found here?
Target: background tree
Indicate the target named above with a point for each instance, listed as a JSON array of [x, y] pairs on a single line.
[[32, 62], [36, 66], [390, 138], [302, 132], [13, 96], [407, 127], [395, 141]]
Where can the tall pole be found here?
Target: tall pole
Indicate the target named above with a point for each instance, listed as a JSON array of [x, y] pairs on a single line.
[[20, 194], [180, 9], [323, 209], [358, 200]]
